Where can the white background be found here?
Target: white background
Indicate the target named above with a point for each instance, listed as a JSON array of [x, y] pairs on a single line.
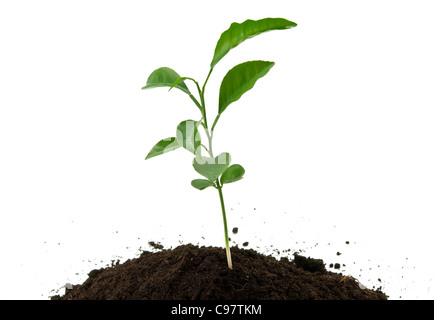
[[336, 140]]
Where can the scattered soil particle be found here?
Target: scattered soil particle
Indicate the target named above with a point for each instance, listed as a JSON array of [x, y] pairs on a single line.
[[235, 230], [188, 272], [245, 244], [156, 245]]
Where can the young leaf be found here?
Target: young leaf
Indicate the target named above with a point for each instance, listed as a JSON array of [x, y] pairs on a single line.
[[188, 136], [212, 168], [239, 32], [163, 146], [241, 79], [201, 184], [234, 173], [165, 77]]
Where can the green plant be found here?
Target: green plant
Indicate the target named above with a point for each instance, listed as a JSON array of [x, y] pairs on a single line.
[[237, 81]]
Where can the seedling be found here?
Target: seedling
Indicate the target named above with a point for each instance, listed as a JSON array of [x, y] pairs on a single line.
[[240, 79]]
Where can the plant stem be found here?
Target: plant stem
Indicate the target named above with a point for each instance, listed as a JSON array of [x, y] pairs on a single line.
[[222, 202], [228, 250], [206, 81], [209, 143], [217, 184], [202, 98]]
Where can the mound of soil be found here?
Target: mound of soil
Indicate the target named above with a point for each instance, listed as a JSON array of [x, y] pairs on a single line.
[[192, 273]]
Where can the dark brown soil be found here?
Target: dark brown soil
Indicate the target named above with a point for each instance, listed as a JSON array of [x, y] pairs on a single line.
[[192, 273]]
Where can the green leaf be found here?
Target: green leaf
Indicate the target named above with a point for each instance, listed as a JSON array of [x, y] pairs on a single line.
[[165, 77], [212, 168], [234, 173], [188, 136], [163, 146], [239, 32], [201, 184], [241, 79]]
